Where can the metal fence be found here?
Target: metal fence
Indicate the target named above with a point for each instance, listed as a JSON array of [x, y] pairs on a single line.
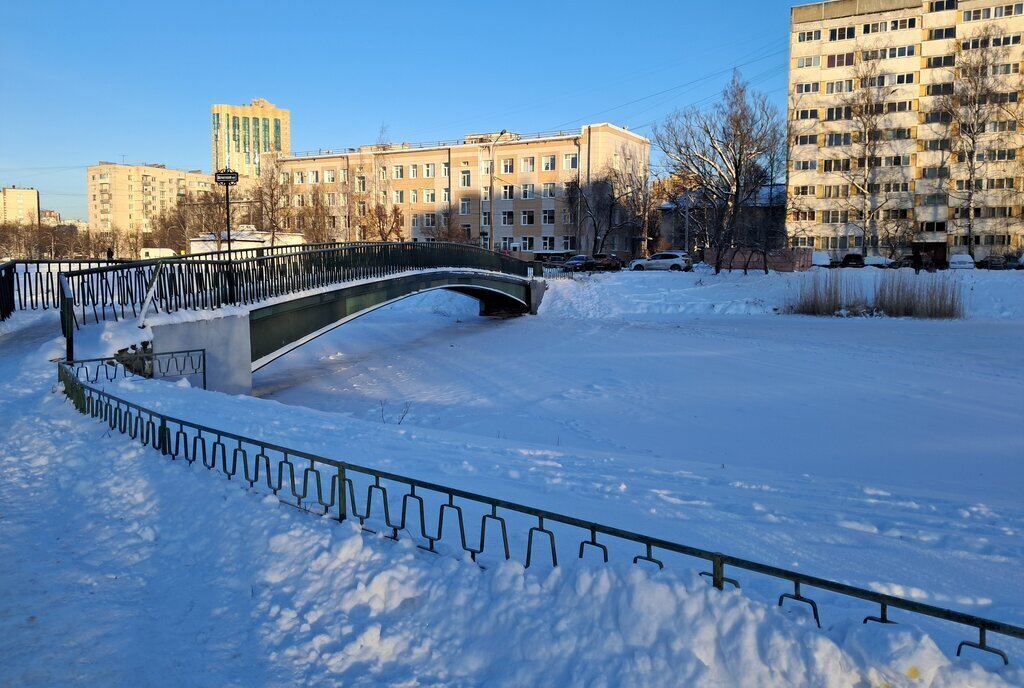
[[116, 292], [448, 520], [188, 363]]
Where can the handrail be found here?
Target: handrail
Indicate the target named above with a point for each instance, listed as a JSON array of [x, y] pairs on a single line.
[[177, 437]]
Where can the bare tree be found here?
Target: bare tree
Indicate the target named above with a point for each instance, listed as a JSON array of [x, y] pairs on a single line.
[[865, 104], [723, 149], [976, 111], [315, 216], [633, 189], [272, 198]]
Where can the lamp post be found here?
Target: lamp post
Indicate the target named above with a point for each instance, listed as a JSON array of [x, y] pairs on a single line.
[[490, 193], [228, 178]]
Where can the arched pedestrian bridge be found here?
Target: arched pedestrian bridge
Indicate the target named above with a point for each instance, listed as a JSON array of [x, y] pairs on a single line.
[[287, 295]]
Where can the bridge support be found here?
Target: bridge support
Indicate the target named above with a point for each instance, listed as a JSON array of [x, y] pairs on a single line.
[[226, 341]]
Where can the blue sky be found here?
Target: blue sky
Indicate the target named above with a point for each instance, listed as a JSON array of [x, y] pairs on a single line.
[[90, 82]]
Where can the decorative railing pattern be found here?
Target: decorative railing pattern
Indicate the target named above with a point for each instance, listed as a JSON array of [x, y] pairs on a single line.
[[449, 520], [33, 284], [121, 291]]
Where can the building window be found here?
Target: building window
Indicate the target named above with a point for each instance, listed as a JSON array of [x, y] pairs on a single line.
[[398, 196], [507, 218], [485, 218], [508, 192], [570, 161], [507, 166], [842, 33], [526, 243], [527, 192], [464, 178], [485, 239], [527, 218], [548, 190], [414, 171], [429, 219], [428, 170], [507, 243], [446, 195], [568, 243], [840, 60], [429, 195], [812, 61], [807, 36], [547, 216], [547, 243], [445, 169], [300, 177], [415, 220], [566, 217], [548, 163], [485, 167], [464, 206], [398, 172], [414, 196], [329, 176], [528, 165]]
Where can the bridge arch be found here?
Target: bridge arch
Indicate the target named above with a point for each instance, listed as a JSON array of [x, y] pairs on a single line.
[[280, 328]]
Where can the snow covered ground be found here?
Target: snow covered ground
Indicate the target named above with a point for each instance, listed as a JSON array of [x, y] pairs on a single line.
[[883, 453]]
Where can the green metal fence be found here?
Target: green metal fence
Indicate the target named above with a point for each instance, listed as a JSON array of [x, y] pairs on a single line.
[[449, 520]]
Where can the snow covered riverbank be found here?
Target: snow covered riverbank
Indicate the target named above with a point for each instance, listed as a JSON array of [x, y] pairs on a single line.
[[885, 453]]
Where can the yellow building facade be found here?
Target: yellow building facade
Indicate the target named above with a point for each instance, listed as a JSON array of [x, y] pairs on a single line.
[[908, 187], [242, 133], [130, 197], [19, 206], [503, 190]]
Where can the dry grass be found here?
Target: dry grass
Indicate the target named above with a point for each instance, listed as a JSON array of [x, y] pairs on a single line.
[[897, 294], [829, 292], [902, 295]]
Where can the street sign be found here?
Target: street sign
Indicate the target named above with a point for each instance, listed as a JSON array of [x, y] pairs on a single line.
[[226, 177]]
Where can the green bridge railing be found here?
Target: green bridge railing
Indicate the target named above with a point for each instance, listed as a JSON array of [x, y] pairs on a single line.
[[443, 519]]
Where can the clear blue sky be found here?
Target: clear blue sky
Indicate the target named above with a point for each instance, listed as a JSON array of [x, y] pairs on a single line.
[[89, 82]]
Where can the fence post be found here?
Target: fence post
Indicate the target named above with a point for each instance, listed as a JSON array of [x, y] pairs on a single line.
[[718, 571], [342, 507]]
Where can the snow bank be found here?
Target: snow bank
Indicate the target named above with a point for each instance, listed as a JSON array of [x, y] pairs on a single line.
[[661, 295]]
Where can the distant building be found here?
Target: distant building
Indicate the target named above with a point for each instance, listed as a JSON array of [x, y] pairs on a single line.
[[19, 205], [761, 221], [49, 217], [442, 189], [242, 133], [899, 60], [131, 197]]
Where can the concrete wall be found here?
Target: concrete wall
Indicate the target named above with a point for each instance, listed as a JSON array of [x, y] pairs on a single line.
[[226, 340]]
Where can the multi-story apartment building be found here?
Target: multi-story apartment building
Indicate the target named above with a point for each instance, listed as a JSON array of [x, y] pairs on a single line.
[[242, 133], [19, 206], [882, 149], [444, 190], [130, 197]]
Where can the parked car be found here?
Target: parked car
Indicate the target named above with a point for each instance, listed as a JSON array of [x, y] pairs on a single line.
[[961, 261], [1014, 263], [555, 260], [665, 260], [880, 262], [852, 260], [902, 262], [580, 263], [607, 261], [992, 263]]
